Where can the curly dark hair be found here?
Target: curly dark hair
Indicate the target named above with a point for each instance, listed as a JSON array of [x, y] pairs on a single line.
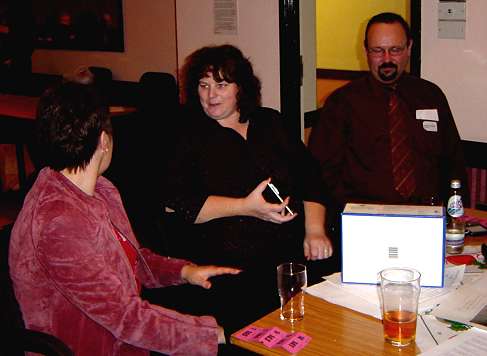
[[225, 62], [70, 120]]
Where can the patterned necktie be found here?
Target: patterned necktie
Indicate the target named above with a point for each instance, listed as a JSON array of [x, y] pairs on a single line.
[[401, 153]]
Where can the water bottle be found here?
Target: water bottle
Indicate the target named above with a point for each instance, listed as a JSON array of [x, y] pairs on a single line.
[[455, 228]]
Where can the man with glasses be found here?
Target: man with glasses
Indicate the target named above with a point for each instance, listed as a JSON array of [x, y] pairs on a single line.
[[388, 137]]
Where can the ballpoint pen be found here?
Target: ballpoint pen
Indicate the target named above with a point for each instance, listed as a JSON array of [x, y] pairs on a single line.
[[276, 192]]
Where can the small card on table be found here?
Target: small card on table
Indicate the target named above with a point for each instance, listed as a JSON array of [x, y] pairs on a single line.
[[275, 337]]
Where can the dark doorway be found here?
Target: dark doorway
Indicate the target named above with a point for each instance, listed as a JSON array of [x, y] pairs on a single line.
[[291, 65]]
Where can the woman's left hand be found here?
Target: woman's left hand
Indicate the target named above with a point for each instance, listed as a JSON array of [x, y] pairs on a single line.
[[198, 275], [317, 246]]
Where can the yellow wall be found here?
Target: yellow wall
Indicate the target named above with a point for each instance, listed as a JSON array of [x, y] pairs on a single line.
[[340, 26]]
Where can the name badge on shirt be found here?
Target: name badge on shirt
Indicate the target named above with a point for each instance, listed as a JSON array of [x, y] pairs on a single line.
[[427, 114], [430, 126]]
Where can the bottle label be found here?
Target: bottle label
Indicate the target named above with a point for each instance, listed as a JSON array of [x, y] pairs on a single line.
[[455, 239], [455, 206]]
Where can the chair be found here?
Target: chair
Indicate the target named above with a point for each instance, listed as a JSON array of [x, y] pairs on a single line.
[[102, 80], [158, 92], [102, 74], [477, 180], [158, 108], [143, 145], [16, 338]]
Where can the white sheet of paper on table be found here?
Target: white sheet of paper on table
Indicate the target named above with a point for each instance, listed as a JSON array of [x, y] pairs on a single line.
[[468, 343], [369, 294], [337, 295], [467, 304]]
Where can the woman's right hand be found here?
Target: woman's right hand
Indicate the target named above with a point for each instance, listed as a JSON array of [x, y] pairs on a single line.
[[255, 205]]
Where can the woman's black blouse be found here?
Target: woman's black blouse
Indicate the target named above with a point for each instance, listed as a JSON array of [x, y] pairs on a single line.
[[214, 160]]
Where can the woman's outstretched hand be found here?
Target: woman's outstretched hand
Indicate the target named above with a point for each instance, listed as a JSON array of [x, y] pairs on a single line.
[[198, 275], [255, 205]]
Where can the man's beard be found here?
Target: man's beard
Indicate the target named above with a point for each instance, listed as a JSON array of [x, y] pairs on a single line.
[[389, 76]]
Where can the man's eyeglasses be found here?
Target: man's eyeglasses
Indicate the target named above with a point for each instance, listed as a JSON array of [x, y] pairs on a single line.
[[380, 51]]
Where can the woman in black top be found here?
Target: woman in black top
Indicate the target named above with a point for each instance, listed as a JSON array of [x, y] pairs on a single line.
[[230, 149]]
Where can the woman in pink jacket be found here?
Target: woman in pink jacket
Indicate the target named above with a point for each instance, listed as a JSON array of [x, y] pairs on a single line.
[[75, 263]]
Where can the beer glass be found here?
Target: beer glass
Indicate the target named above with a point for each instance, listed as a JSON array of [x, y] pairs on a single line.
[[291, 284], [400, 294]]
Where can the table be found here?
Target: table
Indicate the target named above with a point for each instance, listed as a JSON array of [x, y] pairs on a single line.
[[336, 330], [25, 107], [17, 123]]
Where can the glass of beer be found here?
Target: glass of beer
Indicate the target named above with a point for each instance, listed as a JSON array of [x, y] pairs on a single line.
[[400, 294], [291, 284]]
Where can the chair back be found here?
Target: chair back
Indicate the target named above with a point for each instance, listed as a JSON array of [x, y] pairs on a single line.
[[101, 74], [102, 80], [144, 144], [149, 138], [11, 315], [477, 182], [15, 338], [158, 110], [158, 93]]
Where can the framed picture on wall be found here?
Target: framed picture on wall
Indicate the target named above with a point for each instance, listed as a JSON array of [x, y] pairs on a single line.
[[90, 25]]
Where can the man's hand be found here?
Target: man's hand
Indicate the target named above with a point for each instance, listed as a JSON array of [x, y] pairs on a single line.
[[198, 275], [317, 247], [255, 205]]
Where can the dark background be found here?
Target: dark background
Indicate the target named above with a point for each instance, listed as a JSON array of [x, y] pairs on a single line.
[[67, 24]]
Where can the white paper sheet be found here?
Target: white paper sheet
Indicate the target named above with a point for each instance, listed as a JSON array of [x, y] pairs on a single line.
[[467, 304], [428, 299], [468, 343], [431, 332], [337, 295]]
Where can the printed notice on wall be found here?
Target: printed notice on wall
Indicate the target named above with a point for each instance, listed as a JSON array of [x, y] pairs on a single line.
[[225, 17]]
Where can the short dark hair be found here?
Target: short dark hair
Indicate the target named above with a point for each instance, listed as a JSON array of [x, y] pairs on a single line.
[[225, 62], [70, 120], [389, 18]]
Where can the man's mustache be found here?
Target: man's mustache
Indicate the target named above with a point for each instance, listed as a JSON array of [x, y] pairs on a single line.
[[388, 65]]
